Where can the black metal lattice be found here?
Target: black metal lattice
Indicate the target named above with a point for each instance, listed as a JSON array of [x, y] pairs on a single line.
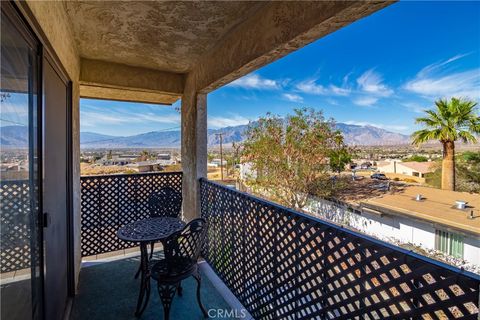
[[14, 225], [112, 201], [282, 264]]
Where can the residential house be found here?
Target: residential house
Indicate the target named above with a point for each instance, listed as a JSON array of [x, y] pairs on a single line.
[[165, 159], [147, 166], [422, 216], [406, 169], [218, 162]]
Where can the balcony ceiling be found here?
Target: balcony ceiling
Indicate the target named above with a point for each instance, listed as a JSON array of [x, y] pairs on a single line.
[[166, 36], [155, 51]]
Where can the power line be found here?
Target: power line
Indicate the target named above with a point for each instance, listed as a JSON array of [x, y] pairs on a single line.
[[168, 129], [14, 122]]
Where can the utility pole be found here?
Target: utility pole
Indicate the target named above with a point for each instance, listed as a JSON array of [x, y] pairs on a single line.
[[221, 153]]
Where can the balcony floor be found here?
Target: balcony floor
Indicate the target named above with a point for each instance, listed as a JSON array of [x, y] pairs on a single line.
[[109, 291]]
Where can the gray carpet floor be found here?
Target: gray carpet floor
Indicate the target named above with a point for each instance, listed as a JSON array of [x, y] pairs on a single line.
[[109, 291]]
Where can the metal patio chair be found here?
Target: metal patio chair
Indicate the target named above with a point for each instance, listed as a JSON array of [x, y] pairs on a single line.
[[167, 202], [182, 250]]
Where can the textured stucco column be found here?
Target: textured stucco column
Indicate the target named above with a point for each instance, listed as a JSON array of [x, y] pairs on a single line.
[[194, 149]]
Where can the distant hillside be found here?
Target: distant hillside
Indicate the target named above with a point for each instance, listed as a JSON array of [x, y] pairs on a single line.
[[230, 135], [17, 136], [369, 135], [91, 137], [354, 135]]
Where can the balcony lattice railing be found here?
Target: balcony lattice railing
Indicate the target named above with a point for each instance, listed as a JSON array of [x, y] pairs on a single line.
[[283, 264], [111, 201], [108, 202], [278, 262], [14, 225]]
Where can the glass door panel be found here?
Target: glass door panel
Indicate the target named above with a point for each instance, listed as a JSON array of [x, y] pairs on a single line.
[[21, 271]]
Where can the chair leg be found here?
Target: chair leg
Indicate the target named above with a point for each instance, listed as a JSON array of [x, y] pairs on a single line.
[[166, 293], [147, 298], [180, 289], [138, 271], [199, 279], [151, 250]]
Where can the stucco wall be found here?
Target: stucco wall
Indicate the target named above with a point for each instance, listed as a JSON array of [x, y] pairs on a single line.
[[471, 249]]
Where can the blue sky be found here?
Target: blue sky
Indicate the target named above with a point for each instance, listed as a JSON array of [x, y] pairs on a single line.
[[382, 70]]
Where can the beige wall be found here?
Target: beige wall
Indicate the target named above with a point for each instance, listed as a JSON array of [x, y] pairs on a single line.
[[400, 171]]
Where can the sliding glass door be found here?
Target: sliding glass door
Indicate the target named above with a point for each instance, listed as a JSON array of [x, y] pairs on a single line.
[[21, 284]]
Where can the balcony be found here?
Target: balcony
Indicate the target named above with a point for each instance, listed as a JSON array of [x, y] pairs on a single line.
[[279, 263]]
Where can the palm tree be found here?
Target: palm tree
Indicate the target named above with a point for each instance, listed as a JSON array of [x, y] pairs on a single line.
[[451, 121]]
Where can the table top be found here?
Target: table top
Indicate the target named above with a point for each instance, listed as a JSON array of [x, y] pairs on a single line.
[[151, 229]]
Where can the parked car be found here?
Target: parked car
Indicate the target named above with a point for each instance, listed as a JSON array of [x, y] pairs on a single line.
[[366, 165], [378, 176]]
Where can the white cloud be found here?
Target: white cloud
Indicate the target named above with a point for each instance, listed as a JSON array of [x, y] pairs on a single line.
[[311, 87], [461, 84], [20, 109], [437, 80], [172, 118], [372, 82], [415, 107], [339, 91], [439, 65], [14, 113], [365, 101], [378, 125], [332, 102], [347, 77], [222, 122], [292, 97], [94, 118], [254, 81]]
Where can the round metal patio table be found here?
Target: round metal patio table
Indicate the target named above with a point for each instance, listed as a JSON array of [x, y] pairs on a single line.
[[144, 232]]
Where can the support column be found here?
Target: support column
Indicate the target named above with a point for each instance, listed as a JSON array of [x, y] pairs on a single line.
[[194, 148]]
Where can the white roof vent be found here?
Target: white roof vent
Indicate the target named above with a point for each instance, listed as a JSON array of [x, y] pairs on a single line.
[[460, 204], [418, 197]]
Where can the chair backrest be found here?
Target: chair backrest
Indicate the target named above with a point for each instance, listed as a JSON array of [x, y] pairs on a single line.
[[167, 202], [183, 247]]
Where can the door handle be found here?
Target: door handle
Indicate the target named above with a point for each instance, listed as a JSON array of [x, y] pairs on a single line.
[[47, 219]]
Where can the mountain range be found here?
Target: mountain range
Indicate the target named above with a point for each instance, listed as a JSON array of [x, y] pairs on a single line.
[[16, 136]]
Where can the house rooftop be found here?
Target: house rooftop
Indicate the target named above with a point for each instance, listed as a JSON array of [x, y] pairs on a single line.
[[437, 206], [422, 167]]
